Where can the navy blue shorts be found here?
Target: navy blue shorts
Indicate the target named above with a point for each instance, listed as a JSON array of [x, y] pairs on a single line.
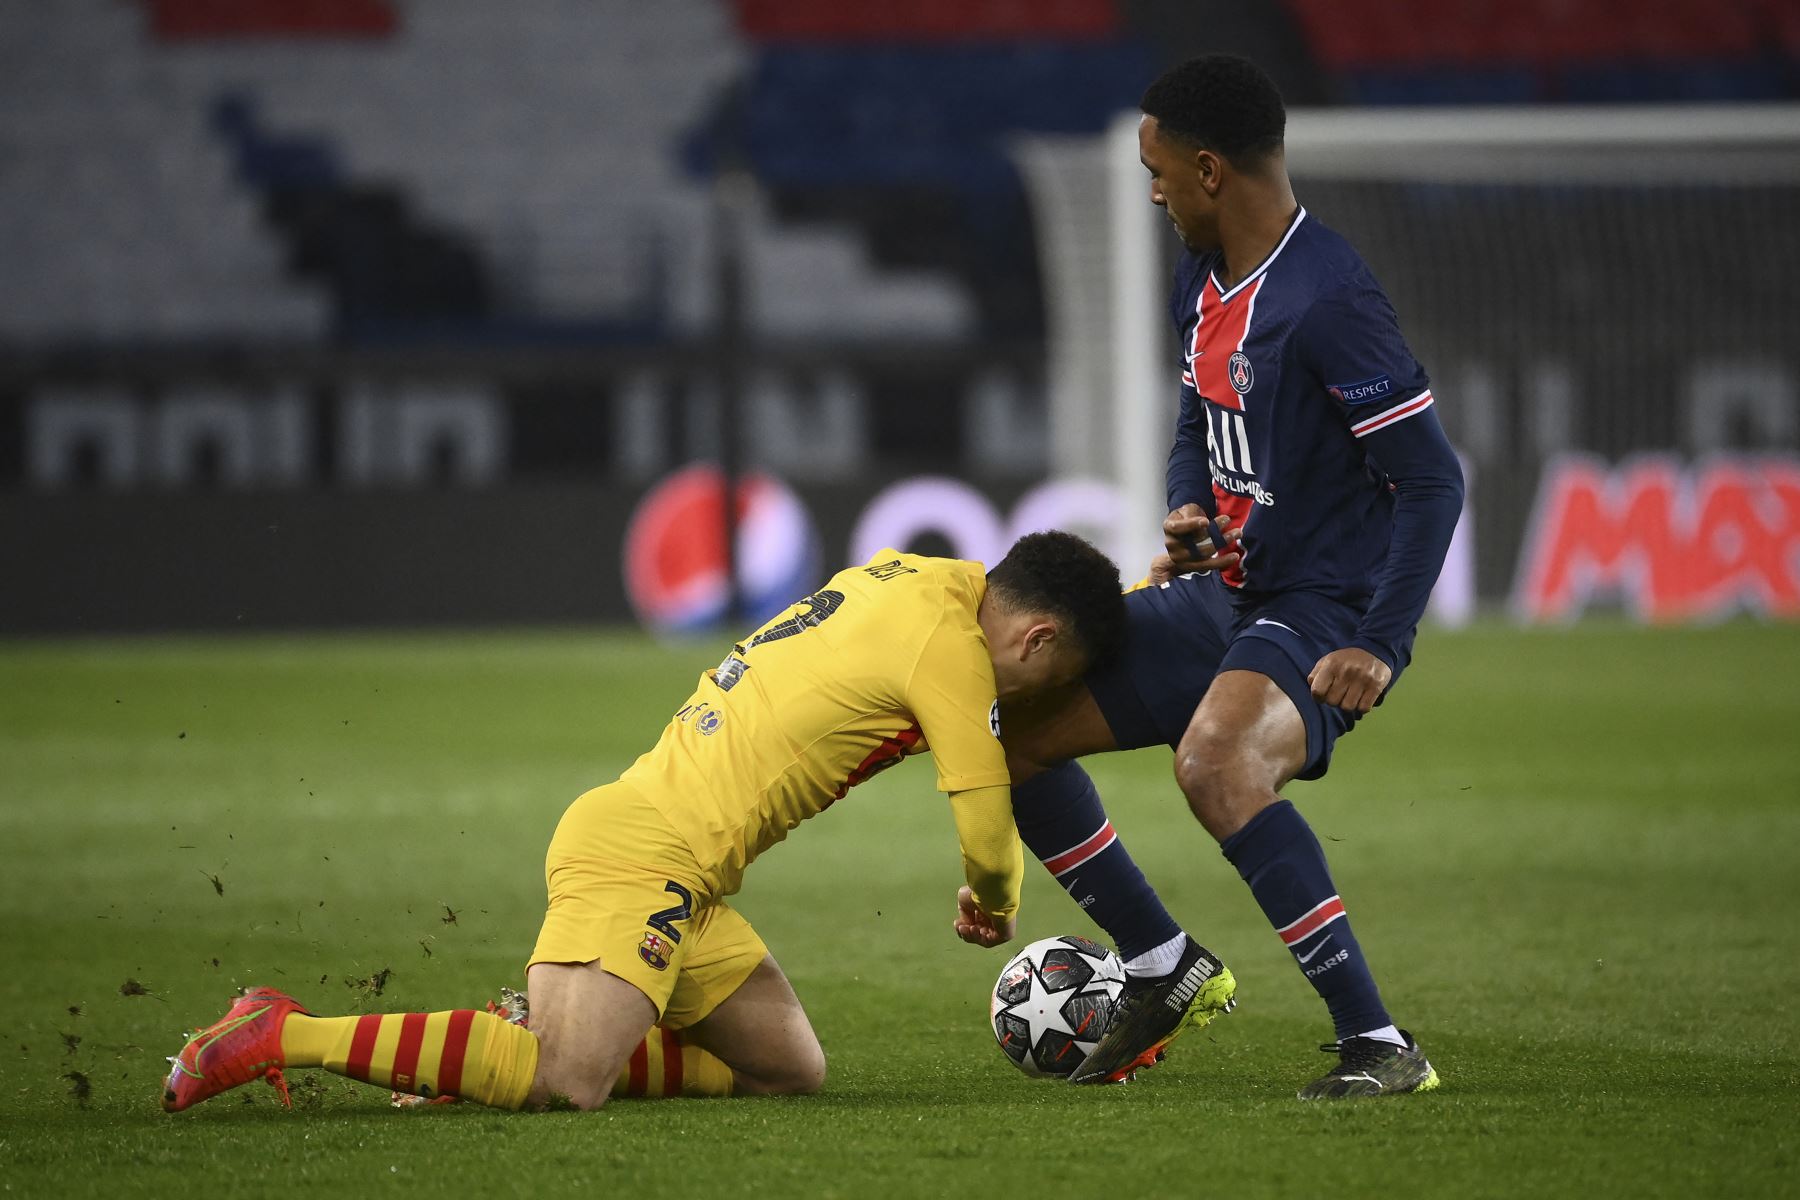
[[1284, 636], [1175, 638], [1179, 636]]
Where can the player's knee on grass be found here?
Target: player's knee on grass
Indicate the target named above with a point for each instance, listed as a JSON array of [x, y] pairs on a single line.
[[587, 1023], [809, 1075], [762, 1033], [806, 1074], [567, 1081], [802, 1075], [789, 1063]]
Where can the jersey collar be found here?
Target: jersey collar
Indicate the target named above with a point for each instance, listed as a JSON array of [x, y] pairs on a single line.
[[1261, 267]]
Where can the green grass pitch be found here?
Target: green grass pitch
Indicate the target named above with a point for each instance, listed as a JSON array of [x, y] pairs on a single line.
[[1570, 856]]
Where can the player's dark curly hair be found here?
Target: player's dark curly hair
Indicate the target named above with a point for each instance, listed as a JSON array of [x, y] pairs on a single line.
[[1222, 103], [1061, 574]]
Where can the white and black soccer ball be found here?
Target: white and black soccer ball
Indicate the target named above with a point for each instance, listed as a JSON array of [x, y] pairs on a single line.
[[1053, 1002]]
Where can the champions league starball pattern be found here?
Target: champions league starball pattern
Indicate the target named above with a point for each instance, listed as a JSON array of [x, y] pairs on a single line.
[[1053, 1002]]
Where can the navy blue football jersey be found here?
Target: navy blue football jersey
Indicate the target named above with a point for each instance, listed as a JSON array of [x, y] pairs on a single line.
[[1305, 418]]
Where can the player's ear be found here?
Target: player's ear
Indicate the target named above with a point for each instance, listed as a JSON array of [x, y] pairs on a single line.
[[1040, 637], [1209, 167]]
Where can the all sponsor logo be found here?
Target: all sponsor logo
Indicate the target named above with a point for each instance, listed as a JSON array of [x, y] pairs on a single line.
[[675, 550], [1667, 543], [674, 560], [1665, 540], [1314, 952], [1334, 960], [1361, 393], [1243, 487], [1183, 993], [705, 717], [731, 670]]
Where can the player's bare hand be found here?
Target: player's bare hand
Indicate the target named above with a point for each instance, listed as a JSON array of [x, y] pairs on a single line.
[[1187, 535], [1350, 679], [980, 928]]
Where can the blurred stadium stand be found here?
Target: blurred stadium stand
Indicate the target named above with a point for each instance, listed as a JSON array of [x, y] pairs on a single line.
[[203, 19], [376, 170], [120, 216], [1554, 51], [151, 137]]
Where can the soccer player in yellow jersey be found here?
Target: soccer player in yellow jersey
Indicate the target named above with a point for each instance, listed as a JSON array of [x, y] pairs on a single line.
[[643, 980]]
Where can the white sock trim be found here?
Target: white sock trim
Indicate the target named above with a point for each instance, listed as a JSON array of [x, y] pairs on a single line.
[[1158, 960], [1387, 1033]]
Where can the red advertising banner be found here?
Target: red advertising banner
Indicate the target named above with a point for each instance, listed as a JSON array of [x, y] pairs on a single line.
[[1667, 542]]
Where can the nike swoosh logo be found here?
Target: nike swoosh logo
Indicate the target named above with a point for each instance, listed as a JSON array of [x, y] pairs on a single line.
[[1278, 625], [1306, 958]]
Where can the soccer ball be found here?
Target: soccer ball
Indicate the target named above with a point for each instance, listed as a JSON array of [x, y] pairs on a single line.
[[1053, 1002]]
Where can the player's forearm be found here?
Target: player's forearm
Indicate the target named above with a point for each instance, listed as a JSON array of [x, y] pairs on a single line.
[[993, 860], [1426, 507], [1189, 479]]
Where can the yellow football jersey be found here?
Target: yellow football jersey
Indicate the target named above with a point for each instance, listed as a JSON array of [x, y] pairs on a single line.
[[886, 660]]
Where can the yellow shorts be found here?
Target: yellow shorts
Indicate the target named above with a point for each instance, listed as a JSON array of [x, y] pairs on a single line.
[[626, 890]]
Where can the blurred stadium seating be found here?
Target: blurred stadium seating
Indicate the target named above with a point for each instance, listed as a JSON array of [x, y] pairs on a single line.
[[120, 219], [151, 142], [204, 19], [1553, 51], [377, 169]]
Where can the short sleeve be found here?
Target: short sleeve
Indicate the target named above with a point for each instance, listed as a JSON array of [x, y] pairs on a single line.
[[1350, 342], [951, 696]]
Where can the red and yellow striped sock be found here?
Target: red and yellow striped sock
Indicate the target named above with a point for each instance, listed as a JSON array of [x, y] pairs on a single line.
[[475, 1055], [665, 1065]]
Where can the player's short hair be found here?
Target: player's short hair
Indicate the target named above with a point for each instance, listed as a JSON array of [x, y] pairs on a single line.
[[1064, 576], [1222, 103]]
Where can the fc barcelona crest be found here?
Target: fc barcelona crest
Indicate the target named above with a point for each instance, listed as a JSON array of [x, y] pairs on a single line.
[[1237, 369], [654, 951]]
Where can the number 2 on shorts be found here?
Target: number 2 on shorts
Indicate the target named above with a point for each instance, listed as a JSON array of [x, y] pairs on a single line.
[[664, 922]]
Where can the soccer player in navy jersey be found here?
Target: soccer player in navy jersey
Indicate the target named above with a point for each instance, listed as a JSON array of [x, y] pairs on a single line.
[[1312, 483]]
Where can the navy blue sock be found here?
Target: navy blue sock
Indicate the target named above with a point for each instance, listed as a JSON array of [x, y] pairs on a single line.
[[1060, 817], [1281, 860]]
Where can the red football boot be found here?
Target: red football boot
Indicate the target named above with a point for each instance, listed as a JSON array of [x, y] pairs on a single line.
[[242, 1045]]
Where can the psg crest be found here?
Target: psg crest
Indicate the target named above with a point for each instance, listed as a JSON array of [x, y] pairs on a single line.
[[1237, 369]]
